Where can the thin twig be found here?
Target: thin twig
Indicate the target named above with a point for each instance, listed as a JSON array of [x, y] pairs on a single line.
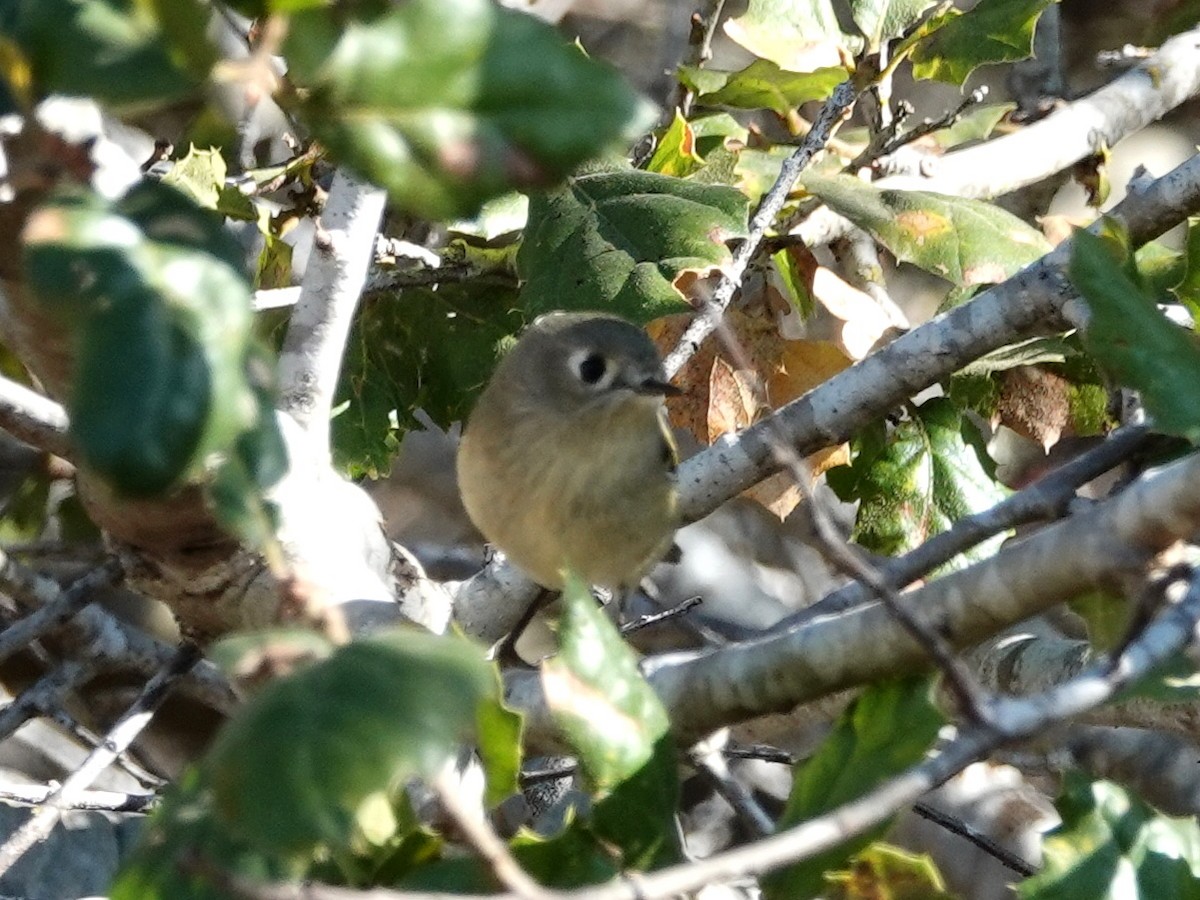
[[836, 108], [1015, 719], [707, 757], [1044, 499], [79, 594], [108, 801], [474, 825], [90, 739], [44, 694], [955, 825], [703, 29], [119, 737], [892, 142], [661, 616], [969, 696]]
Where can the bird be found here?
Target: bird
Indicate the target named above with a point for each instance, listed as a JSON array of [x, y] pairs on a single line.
[[567, 460]]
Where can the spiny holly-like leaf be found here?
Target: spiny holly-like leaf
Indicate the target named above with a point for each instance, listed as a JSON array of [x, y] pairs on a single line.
[[293, 769], [888, 728], [424, 349], [152, 289], [620, 241], [916, 481], [993, 31], [1130, 339], [447, 103], [761, 85], [617, 727], [967, 242], [1112, 846], [884, 20], [797, 35]]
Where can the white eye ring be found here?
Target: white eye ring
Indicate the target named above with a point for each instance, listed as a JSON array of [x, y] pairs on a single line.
[[591, 368]]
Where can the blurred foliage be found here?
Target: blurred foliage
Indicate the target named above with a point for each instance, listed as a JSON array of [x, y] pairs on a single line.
[[488, 126]]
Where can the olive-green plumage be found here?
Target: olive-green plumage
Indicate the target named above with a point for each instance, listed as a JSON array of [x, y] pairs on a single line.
[[566, 459]]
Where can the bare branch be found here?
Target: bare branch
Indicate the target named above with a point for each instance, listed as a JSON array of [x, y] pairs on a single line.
[[108, 801], [120, 736], [33, 418], [1035, 301], [1043, 499], [58, 609], [1077, 130], [333, 282]]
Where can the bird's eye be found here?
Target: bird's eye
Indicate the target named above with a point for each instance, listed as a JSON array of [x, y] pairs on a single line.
[[592, 368]]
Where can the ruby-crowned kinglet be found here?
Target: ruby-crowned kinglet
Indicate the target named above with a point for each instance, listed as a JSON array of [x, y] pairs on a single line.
[[566, 460]]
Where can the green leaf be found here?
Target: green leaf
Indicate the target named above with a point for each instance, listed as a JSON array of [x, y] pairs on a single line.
[[152, 289], [619, 241], [761, 85], [887, 729], [618, 729], [422, 348], [975, 125], [967, 242], [1130, 339], [447, 103], [884, 20], [292, 771], [1175, 681], [884, 872], [797, 35], [993, 31], [112, 50], [917, 480], [676, 153], [1188, 288], [1112, 846], [184, 830]]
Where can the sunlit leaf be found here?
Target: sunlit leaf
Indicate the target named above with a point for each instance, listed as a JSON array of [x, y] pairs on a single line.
[[620, 241], [888, 728], [447, 103], [993, 31], [967, 242], [1112, 846]]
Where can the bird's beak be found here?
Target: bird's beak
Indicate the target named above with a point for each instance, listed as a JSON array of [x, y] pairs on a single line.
[[657, 387]]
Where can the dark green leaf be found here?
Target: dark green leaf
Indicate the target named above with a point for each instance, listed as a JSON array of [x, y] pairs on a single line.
[[294, 769], [1112, 846], [617, 727], [917, 480], [993, 31], [967, 242], [887, 729], [447, 103], [797, 35], [619, 241], [1130, 339], [152, 289], [184, 831], [884, 20], [112, 50], [424, 349], [761, 85]]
